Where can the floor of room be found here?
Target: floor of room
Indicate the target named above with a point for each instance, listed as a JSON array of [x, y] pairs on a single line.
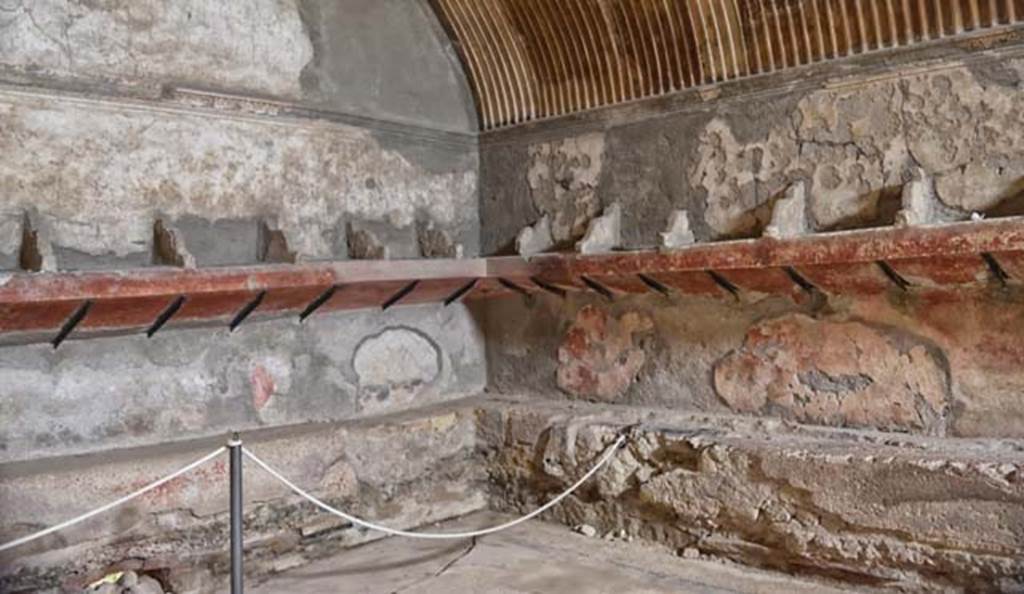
[[535, 557]]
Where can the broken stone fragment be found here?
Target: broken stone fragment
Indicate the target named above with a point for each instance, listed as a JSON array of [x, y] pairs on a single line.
[[436, 243], [379, 240], [36, 253], [587, 530], [11, 225], [169, 247], [789, 216], [919, 202], [678, 233], [274, 245], [536, 238], [604, 233]]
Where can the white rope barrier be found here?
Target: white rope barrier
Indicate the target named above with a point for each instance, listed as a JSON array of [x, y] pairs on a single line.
[[113, 504], [439, 535]]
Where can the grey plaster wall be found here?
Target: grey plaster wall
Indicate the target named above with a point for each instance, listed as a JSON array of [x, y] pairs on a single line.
[[115, 392], [97, 174], [387, 60], [853, 134]]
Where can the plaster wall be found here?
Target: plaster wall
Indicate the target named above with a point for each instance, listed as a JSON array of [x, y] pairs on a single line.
[[853, 133]]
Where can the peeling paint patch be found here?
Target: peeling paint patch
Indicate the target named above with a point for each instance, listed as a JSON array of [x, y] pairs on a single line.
[[598, 357], [394, 367], [563, 178], [262, 386], [836, 373]]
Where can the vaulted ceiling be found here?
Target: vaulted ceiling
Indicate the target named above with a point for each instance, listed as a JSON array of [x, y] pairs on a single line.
[[531, 59]]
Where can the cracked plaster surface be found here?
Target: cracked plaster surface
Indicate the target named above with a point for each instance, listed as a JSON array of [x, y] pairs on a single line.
[[857, 145]]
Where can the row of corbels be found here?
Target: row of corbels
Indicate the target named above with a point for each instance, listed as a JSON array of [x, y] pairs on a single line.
[[920, 206]]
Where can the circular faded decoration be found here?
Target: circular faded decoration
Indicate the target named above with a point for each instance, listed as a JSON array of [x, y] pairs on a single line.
[[394, 366]]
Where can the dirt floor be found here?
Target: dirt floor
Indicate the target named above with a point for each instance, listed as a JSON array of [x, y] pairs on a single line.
[[536, 558]]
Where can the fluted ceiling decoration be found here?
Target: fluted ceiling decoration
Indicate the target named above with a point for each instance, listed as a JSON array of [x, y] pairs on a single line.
[[530, 59]]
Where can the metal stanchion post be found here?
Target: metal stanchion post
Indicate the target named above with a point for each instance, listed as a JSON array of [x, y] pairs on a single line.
[[235, 449]]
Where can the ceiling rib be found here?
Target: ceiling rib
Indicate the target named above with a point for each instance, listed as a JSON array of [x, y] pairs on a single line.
[[533, 59]]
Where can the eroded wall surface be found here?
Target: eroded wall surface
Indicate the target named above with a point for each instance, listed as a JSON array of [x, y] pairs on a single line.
[[726, 155], [199, 134], [873, 439], [179, 532], [862, 507]]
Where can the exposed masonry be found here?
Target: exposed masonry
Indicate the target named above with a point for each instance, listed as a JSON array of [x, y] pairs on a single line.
[[862, 507]]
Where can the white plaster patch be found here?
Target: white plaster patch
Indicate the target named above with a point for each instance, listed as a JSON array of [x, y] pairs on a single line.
[[258, 45], [393, 367], [563, 178], [855, 143]]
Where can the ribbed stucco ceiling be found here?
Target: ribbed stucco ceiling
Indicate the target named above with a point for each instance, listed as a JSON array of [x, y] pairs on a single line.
[[530, 59]]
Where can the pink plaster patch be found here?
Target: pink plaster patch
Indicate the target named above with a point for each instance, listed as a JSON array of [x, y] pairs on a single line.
[[262, 386], [598, 358]]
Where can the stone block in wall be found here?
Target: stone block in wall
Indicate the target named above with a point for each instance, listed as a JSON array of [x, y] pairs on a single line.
[[875, 508]]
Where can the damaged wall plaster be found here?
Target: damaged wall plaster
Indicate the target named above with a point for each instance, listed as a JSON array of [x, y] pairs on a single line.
[[951, 367], [388, 60], [406, 471], [114, 169], [853, 141], [115, 392], [915, 514]]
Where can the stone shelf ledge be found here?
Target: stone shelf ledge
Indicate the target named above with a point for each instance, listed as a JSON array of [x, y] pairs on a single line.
[[916, 260]]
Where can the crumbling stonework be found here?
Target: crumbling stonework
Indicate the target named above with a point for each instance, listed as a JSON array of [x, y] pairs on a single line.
[[677, 233], [854, 140], [873, 509], [535, 239], [194, 165]]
